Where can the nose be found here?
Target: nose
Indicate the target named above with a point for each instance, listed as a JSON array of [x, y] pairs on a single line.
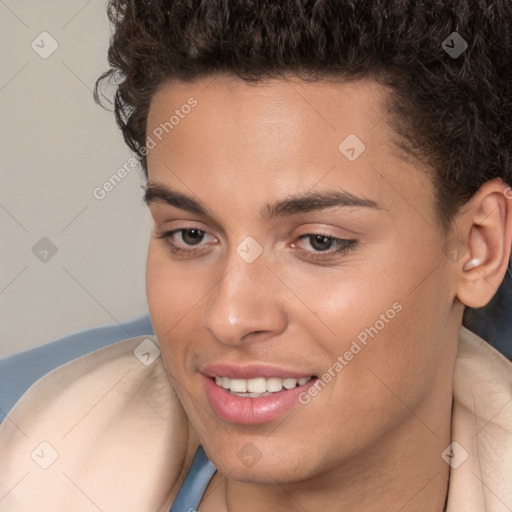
[[245, 303]]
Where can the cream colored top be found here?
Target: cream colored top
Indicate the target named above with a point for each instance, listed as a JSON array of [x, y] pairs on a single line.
[[106, 432]]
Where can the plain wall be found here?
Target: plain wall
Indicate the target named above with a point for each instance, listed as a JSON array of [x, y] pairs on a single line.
[[57, 146]]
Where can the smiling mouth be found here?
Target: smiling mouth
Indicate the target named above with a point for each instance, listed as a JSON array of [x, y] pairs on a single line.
[[259, 386]]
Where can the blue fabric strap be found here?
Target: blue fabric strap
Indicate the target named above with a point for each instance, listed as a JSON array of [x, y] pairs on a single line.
[[198, 477]]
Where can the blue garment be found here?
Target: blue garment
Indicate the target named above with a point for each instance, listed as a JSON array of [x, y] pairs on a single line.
[[198, 477]]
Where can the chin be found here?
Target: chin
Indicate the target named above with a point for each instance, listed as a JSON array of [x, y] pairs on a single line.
[[244, 462]]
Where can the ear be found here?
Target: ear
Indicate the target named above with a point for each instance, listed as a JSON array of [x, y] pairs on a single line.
[[485, 226]]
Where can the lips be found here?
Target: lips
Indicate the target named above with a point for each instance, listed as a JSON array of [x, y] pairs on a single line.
[[252, 395]]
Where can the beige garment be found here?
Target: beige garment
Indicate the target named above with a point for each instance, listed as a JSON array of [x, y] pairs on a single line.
[[117, 427], [115, 437], [482, 425]]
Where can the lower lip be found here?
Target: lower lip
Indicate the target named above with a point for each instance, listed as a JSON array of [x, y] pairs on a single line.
[[252, 411]]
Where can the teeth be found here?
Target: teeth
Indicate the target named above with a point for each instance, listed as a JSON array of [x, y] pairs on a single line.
[[259, 386], [289, 383], [238, 386], [274, 384]]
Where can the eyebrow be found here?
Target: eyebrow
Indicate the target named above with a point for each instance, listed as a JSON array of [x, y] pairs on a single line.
[[301, 203]]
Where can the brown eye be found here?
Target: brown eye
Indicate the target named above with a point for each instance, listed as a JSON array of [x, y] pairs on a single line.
[[187, 242], [322, 247], [192, 236], [320, 242]]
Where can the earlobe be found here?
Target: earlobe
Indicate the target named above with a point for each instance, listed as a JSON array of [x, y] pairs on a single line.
[[487, 226]]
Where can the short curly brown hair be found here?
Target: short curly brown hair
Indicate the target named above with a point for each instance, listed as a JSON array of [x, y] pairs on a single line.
[[453, 114]]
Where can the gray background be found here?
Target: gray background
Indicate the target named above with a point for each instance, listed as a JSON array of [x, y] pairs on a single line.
[[56, 147]]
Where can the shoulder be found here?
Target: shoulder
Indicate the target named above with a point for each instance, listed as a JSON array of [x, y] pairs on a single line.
[[481, 449], [105, 429]]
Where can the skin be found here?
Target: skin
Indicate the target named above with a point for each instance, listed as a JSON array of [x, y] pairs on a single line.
[[371, 439]]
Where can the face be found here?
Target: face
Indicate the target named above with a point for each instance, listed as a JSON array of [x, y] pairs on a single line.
[[295, 278]]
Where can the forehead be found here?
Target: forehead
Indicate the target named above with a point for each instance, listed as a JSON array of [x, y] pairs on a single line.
[[265, 108], [267, 137], [285, 118]]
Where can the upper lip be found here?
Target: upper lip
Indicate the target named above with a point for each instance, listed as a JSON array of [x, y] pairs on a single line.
[[251, 371]]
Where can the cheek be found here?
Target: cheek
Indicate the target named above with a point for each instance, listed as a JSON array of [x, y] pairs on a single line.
[[170, 297], [171, 292], [160, 301], [403, 344], [339, 305], [388, 320], [176, 296]]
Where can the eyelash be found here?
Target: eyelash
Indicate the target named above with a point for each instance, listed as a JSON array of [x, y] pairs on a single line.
[[344, 245]]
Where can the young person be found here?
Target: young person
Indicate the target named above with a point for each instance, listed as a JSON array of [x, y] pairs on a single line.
[[330, 189]]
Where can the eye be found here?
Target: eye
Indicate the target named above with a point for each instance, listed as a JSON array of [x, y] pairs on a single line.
[[324, 246], [184, 240], [192, 236], [320, 242]]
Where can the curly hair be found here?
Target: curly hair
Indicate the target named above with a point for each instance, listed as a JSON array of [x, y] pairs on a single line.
[[453, 114]]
